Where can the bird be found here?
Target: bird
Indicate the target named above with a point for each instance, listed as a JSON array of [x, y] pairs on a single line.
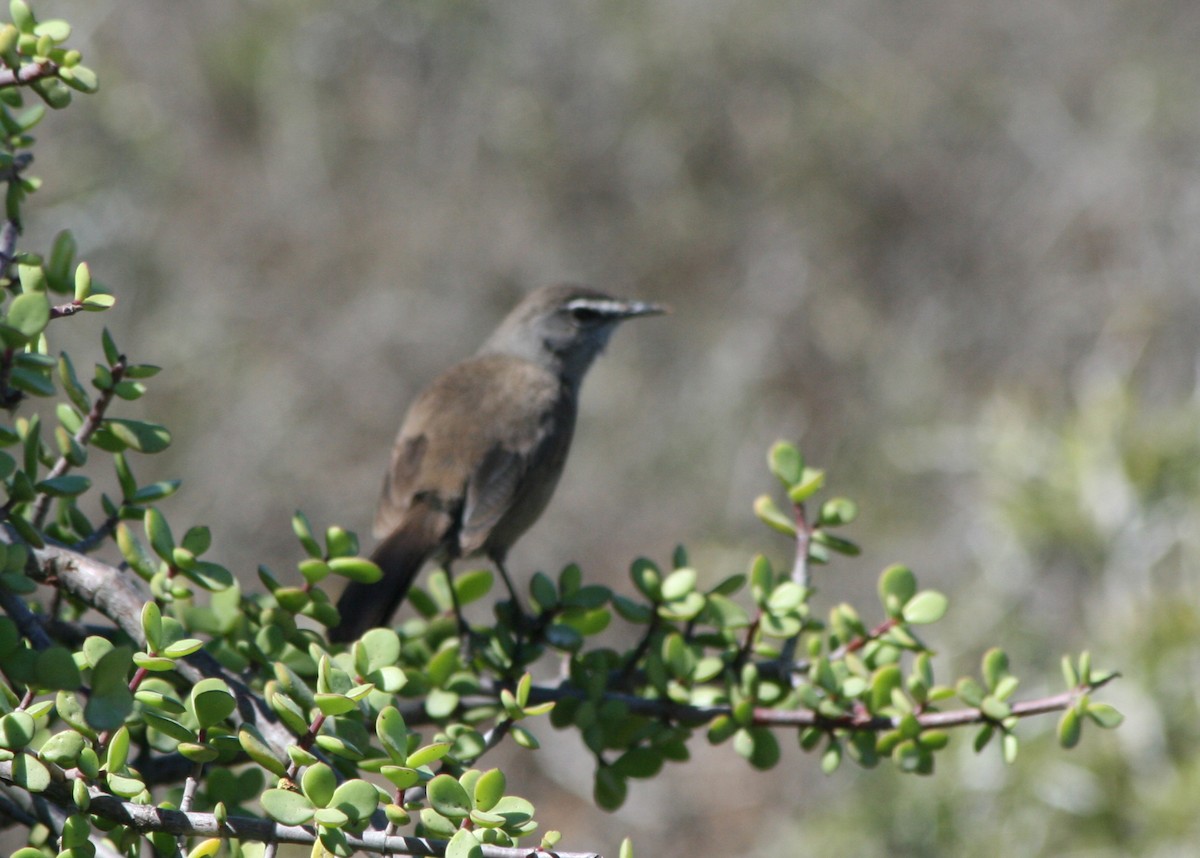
[[481, 448]]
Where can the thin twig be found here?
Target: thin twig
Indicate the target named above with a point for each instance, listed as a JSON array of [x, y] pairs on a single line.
[[91, 423], [800, 566], [27, 622], [97, 536], [27, 73], [61, 311], [800, 574]]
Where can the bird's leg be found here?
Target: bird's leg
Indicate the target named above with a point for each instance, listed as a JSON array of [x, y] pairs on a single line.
[[512, 591], [521, 621], [464, 630]]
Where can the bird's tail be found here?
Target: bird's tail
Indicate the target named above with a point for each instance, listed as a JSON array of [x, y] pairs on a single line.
[[400, 556]]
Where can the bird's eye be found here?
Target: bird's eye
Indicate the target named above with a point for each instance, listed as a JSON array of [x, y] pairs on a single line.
[[585, 315]]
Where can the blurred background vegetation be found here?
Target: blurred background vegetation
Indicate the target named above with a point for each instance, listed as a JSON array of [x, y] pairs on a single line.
[[950, 247]]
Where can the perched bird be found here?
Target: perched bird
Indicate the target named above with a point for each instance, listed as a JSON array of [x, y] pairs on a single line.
[[481, 449]]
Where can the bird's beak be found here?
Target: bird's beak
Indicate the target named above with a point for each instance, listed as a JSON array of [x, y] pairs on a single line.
[[633, 309]]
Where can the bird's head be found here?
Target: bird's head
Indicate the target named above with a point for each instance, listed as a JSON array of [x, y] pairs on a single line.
[[564, 327]]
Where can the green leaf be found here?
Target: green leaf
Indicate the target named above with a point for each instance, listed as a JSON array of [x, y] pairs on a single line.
[[28, 314], [472, 586], [74, 390], [207, 848], [210, 576], [430, 753], [811, 482], [112, 354], [631, 611], [447, 797], [197, 540], [287, 807], [83, 79], [356, 798], [31, 380], [1005, 687], [1104, 715], [16, 730], [1069, 675], [83, 281], [340, 542], [211, 702], [111, 701], [381, 648], [137, 434], [640, 762], [393, 733], [29, 773], [401, 777], [125, 786], [63, 749], [118, 750], [319, 783], [313, 569], [143, 370], [836, 512], [897, 585], [836, 543], [303, 530], [159, 534], [56, 29], [926, 607], [21, 15], [464, 844], [258, 750], [55, 669], [787, 597], [154, 492], [168, 726], [678, 584], [69, 485], [970, 691], [489, 789], [1009, 745], [772, 516], [335, 704], [831, 757], [996, 710], [995, 666], [196, 752], [152, 625], [786, 463], [647, 578], [1070, 727], [610, 788], [357, 569]]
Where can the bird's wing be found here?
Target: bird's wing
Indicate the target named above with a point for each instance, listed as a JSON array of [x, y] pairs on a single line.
[[468, 449], [398, 483], [515, 477], [490, 494]]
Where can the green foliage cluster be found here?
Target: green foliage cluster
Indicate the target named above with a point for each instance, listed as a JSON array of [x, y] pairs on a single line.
[[231, 716]]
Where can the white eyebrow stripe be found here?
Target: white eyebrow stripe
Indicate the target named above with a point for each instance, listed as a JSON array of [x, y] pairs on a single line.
[[599, 305]]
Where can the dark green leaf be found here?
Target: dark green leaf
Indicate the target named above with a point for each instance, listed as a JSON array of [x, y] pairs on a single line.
[[139, 435]]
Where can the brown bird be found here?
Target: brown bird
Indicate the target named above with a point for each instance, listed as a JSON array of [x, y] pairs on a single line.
[[481, 449]]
